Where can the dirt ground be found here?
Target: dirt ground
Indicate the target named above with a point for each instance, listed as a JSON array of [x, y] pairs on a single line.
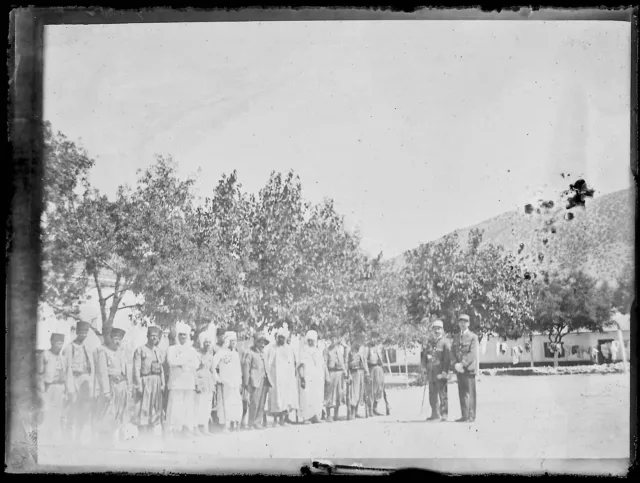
[[519, 419]]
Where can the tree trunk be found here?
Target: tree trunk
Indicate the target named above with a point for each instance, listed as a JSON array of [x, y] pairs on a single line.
[[478, 358], [531, 348], [406, 366]]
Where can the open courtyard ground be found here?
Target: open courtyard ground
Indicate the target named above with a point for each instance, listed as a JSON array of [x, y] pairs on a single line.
[[576, 417]]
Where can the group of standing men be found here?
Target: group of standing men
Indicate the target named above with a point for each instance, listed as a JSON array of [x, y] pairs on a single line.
[[440, 357], [182, 390]]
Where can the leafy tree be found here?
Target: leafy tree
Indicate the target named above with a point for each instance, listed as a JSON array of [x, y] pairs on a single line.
[[568, 303], [482, 281], [66, 169], [624, 292]]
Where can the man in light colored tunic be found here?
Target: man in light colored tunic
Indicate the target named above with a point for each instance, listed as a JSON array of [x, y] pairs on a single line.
[[113, 380], [205, 384], [215, 348], [229, 376], [337, 367], [54, 379], [183, 363], [312, 372], [149, 383], [281, 369], [375, 385], [81, 391], [358, 375]]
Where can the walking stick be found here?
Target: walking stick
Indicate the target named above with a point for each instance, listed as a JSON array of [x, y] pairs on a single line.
[[424, 393]]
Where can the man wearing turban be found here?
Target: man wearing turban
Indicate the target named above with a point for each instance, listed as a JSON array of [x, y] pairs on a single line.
[[313, 373], [205, 384], [281, 370], [229, 376], [81, 389], [53, 383], [112, 385], [149, 382], [183, 363]]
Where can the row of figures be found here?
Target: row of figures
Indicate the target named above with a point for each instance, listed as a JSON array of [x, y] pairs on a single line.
[[193, 388]]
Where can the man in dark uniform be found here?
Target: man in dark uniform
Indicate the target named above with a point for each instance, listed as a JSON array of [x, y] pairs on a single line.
[[464, 354], [438, 356], [255, 381]]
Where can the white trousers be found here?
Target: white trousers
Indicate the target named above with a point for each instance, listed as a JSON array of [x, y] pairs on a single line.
[[181, 409]]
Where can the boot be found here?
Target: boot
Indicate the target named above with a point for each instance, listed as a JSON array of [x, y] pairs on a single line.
[[202, 429], [335, 413], [376, 411]]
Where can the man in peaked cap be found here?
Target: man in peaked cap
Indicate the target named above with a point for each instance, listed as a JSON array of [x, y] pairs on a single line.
[[54, 379], [465, 346], [113, 380], [149, 382], [438, 357], [81, 389]]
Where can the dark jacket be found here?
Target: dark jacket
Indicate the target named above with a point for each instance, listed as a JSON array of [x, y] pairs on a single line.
[[439, 357], [465, 350]]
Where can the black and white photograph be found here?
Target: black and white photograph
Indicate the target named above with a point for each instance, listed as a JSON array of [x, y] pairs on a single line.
[[309, 246]]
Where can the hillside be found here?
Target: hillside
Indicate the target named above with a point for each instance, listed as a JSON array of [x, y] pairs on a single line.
[[599, 239]]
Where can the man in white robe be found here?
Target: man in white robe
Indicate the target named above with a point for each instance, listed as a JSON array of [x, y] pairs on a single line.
[[313, 373], [229, 377], [183, 362], [281, 370]]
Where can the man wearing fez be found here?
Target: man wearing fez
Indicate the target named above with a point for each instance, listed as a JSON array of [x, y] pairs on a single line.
[[112, 385], [183, 363], [337, 367], [375, 385], [81, 388], [149, 383], [54, 380], [255, 380], [438, 356], [464, 354]]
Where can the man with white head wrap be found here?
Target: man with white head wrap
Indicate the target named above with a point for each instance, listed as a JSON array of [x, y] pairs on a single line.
[[183, 362], [281, 366], [205, 383], [227, 362], [313, 373]]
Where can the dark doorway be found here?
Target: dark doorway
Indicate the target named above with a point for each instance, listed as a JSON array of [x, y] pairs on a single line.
[[607, 356]]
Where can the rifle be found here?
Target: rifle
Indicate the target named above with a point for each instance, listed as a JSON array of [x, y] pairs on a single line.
[[386, 402]]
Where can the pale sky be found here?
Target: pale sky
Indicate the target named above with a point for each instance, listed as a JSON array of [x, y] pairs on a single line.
[[414, 128]]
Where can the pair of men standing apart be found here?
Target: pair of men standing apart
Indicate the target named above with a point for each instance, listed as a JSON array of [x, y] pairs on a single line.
[[440, 355]]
